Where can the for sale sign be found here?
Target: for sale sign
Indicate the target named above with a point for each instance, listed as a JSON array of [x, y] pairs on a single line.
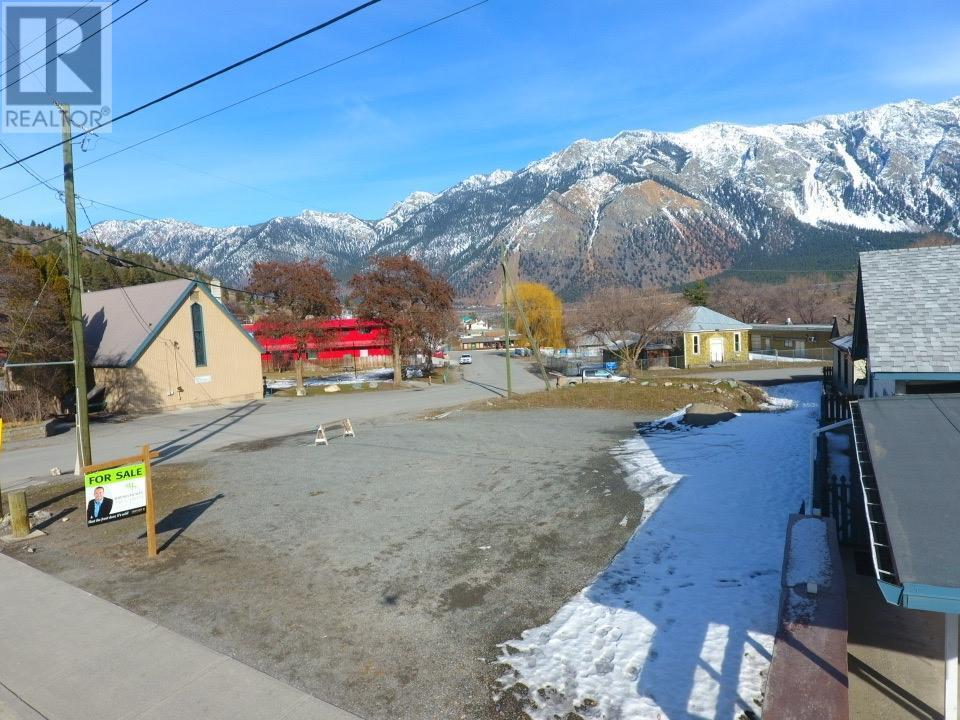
[[115, 493]]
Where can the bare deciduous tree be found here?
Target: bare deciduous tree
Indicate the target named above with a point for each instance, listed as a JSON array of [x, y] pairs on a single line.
[[627, 319], [302, 295], [405, 296], [745, 301], [804, 298]]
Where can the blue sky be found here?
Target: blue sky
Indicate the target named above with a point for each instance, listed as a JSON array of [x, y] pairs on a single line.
[[498, 87]]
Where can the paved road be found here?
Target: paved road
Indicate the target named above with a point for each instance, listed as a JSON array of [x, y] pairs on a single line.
[[189, 434]]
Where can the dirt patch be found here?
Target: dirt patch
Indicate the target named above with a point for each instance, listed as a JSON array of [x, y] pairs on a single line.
[[379, 574], [638, 396], [463, 595], [269, 443]]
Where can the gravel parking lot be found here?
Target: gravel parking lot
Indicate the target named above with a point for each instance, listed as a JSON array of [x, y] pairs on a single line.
[[377, 573]]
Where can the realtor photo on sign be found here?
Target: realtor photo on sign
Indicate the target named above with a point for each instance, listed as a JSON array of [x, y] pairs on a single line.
[[115, 493]]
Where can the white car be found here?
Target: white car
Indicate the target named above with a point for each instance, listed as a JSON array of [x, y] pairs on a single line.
[[466, 359]]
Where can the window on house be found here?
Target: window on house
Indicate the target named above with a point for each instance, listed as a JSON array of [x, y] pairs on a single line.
[[696, 344], [199, 342], [736, 342]]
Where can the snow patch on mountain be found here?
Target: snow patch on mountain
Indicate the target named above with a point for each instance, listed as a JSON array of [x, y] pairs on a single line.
[[629, 206]]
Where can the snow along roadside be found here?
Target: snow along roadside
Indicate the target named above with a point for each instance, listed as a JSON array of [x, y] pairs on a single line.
[[681, 623]]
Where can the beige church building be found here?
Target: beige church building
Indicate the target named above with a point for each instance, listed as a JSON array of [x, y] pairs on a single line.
[[168, 345]]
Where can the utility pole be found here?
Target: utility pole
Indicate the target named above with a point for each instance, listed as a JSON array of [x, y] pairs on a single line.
[[506, 322], [76, 308]]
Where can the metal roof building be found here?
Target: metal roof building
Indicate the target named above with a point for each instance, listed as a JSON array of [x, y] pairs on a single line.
[[169, 344], [908, 453], [703, 319]]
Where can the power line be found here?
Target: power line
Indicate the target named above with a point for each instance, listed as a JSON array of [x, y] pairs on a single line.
[[33, 308], [143, 322], [71, 49], [210, 76], [59, 192], [44, 33], [134, 263], [30, 172], [122, 261], [115, 207], [248, 98], [193, 169]]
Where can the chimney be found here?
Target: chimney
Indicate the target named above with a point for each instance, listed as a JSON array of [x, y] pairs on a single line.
[[216, 290]]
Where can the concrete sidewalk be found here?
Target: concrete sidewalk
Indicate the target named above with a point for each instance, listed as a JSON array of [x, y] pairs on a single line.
[[66, 654]]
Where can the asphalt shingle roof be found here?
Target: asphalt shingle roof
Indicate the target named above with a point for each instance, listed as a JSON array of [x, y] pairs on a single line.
[[910, 300]]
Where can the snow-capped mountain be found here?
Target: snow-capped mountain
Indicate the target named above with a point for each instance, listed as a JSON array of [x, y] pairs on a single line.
[[642, 207]]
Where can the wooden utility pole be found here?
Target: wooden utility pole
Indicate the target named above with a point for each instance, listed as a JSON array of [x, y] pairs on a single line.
[[76, 309]]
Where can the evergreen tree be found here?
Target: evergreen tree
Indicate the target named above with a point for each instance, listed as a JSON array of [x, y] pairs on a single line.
[[697, 293]]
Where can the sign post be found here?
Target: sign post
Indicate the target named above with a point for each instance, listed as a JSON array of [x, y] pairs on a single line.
[[151, 510], [121, 488]]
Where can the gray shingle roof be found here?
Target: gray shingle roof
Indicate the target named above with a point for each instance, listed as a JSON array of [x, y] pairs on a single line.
[[702, 319], [910, 300], [117, 322]]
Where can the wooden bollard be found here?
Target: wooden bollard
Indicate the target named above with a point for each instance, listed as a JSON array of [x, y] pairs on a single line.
[[19, 524]]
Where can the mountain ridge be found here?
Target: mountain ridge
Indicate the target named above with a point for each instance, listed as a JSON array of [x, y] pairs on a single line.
[[643, 207]]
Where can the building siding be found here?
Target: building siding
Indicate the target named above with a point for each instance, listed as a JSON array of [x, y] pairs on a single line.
[[784, 341], [729, 355], [166, 375]]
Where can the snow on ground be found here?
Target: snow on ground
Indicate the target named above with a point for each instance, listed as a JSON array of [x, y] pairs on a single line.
[[345, 378], [681, 624]]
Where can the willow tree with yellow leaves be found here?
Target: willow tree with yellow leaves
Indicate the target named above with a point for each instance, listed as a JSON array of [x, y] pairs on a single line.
[[544, 312]]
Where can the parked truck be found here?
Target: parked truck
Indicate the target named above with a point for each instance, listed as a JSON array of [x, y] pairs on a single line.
[[591, 375]]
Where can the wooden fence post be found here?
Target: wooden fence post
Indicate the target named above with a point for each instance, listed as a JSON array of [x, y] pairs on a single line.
[[19, 523]]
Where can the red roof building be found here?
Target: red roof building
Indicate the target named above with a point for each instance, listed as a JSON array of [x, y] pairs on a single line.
[[339, 338]]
